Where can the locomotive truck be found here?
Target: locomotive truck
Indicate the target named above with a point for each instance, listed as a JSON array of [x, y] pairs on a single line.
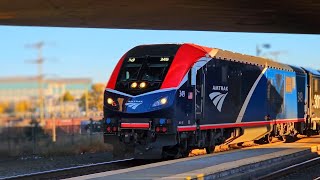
[[164, 100]]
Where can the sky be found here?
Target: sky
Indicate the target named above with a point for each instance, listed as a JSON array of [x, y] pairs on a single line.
[[93, 53]]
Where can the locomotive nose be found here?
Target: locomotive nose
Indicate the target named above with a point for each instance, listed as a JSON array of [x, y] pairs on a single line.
[[144, 103]]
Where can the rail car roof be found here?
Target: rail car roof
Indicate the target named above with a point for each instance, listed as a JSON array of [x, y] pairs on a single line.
[[312, 71], [298, 70]]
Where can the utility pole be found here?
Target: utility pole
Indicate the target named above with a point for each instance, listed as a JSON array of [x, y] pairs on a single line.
[[275, 54], [39, 61], [54, 134], [87, 102], [258, 48], [62, 109]]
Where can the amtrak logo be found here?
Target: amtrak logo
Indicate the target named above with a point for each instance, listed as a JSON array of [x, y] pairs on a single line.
[[133, 104], [218, 97]]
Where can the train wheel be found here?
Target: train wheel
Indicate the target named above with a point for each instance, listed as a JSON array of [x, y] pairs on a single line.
[[240, 144], [288, 138], [210, 149], [268, 138], [184, 150], [171, 152], [284, 138], [185, 153], [211, 146], [309, 133]]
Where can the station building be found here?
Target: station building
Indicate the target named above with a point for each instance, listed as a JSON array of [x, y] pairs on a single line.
[[17, 89]]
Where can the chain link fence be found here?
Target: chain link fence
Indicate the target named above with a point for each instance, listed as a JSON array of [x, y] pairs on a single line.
[[53, 138]]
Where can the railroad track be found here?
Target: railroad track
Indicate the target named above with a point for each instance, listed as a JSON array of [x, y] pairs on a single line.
[[81, 170], [291, 169], [89, 169]]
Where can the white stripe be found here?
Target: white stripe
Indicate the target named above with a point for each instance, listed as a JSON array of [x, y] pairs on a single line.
[[246, 102], [217, 98], [221, 102], [185, 79], [196, 66], [213, 95], [152, 92]]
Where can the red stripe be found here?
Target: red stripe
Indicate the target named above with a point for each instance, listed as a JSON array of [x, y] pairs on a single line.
[[185, 57], [217, 126], [114, 76], [187, 128], [279, 121], [135, 125], [243, 124]]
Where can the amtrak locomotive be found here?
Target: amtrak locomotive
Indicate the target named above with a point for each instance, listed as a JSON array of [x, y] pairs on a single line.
[[164, 100]]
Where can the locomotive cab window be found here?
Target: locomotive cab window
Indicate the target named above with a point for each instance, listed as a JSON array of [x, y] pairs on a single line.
[[130, 72], [131, 69], [154, 72], [145, 68]]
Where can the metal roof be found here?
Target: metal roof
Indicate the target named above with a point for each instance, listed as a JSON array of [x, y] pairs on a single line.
[[247, 59], [285, 16], [312, 71], [242, 58]]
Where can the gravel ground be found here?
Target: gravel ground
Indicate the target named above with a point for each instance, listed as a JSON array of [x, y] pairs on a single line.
[[305, 174], [12, 167]]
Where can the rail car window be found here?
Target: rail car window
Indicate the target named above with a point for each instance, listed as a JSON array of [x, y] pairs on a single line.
[[275, 94], [289, 84], [315, 85]]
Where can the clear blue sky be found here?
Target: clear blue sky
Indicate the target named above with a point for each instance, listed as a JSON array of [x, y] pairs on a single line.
[[81, 52]]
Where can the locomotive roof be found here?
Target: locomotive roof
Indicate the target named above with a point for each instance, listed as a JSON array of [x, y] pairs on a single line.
[[243, 58], [233, 56], [186, 55]]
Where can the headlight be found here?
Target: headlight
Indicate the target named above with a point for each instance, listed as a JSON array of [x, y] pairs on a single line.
[[142, 85], [134, 85], [160, 102], [163, 101], [110, 101]]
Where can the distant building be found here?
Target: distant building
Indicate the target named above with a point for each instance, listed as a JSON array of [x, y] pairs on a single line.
[[15, 89]]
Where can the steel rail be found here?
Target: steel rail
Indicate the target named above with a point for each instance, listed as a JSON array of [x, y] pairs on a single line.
[[80, 170], [290, 169]]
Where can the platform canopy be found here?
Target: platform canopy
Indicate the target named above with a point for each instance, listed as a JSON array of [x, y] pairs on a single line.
[[279, 16]]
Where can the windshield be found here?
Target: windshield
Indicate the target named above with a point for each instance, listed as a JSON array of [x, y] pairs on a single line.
[[154, 72], [144, 68], [130, 72]]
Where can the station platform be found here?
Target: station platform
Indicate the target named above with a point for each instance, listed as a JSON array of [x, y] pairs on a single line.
[[246, 162]]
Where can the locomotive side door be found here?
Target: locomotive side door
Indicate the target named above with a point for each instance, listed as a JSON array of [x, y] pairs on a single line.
[[200, 92], [198, 81]]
